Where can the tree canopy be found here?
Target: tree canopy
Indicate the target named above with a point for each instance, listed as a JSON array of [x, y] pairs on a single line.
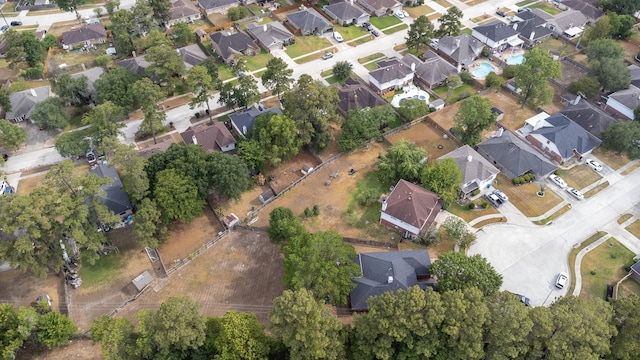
[[456, 271], [73, 91], [420, 32], [278, 136], [531, 76], [450, 23], [606, 63], [404, 160], [623, 137], [278, 76], [412, 109], [11, 135], [364, 124], [341, 70], [443, 178], [284, 225], [116, 85], [201, 85], [473, 117], [50, 114], [626, 7]]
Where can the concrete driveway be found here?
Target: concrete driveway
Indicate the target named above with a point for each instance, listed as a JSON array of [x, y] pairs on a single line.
[[529, 258]]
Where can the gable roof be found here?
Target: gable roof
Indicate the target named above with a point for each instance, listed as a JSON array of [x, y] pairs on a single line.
[[85, 33], [496, 30], [542, 14], [192, 55], [463, 49], [92, 75], [587, 9], [628, 97], [567, 136], [308, 20], [434, 70], [155, 148], [378, 5], [355, 95], [590, 117], [388, 271], [514, 157], [209, 137], [568, 19], [182, 9], [390, 70], [270, 34], [246, 119], [634, 72], [213, 4], [344, 11], [136, 65], [227, 45], [115, 198], [412, 204], [532, 27], [23, 102], [471, 164]]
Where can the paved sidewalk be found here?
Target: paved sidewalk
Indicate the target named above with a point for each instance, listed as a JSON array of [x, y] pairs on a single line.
[[581, 254]]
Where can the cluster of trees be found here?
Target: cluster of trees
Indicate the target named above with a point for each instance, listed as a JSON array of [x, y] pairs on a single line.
[[473, 118], [607, 65], [422, 30], [35, 327], [27, 53], [623, 137], [364, 124], [531, 77]]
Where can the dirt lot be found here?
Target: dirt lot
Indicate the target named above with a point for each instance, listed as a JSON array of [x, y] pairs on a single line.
[[243, 272], [427, 137], [76, 350], [22, 289], [289, 172], [570, 73]]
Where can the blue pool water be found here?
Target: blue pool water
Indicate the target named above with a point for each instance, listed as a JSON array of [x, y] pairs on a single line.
[[516, 59], [483, 70]]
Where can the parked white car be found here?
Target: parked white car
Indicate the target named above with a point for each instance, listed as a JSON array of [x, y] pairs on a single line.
[[502, 196], [594, 165], [558, 180], [575, 193], [561, 280], [401, 14], [337, 36]]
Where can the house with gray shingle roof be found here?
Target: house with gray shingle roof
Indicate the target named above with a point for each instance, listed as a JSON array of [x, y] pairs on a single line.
[[115, 199], [513, 157], [270, 36], [137, 65], [23, 102], [531, 27], [497, 35], [587, 8], [477, 172], [380, 7], [433, 71], [391, 75], [410, 209], [567, 21], [461, 50], [622, 102], [356, 95], [217, 6], [309, 22], [183, 11], [86, 35], [92, 75], [346, 13], [389, 271], [590, 117], [243, 121], [634, 72], [226, 46], [562, 139], [192, 55]]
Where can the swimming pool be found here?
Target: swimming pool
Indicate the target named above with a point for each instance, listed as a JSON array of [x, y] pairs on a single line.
[[483, 70], [515, 60]]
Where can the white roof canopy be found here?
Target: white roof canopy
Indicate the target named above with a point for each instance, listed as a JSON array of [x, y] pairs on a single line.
[[515, 42], [571, 32]]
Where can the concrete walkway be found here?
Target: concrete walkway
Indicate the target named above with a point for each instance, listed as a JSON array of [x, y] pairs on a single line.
[[577, 265]]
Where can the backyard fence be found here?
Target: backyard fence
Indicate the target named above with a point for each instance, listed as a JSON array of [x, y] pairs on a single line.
[[180, 263], [370, 243]]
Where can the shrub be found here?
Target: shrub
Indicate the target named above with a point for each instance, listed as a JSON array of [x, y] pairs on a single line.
[[485, 204], [316, 210], [509, 71], [197, 115], [466, 77], [514, 181], [472, 206], [494, 81], [465, 94], [367, 197], [307, 212], [475, 192], [485, 51]]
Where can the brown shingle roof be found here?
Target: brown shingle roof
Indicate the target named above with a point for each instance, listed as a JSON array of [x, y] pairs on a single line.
[[209, 137], [85, 33], [412, 204]]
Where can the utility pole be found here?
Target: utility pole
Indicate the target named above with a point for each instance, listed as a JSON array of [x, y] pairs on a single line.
[[5, 19]]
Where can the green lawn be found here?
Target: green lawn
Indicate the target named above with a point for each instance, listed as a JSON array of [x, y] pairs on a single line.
[[102, 271], [579, 176], [306, 44], [385, 22], [258, 61], [225, 72], [350, 32], [371, 57], [394, 29], [371, 66], [607, 261], [443, 92], [525, 3], [546, 7]]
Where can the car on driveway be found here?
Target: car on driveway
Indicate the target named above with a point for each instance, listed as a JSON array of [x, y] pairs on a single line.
[[400, 14], [337, 36], [375, 33], [594, 165], [493, 199], [561, 280], [367, 26], [502, 196], [327, 56], [558, 180], [575, 193]]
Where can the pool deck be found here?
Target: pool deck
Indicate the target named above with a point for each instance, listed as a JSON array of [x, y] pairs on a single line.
[[409, 92], [478, 63]]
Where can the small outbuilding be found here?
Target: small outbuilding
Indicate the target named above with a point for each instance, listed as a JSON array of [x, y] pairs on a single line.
[[266, 196], [306, 169], [142, 280]]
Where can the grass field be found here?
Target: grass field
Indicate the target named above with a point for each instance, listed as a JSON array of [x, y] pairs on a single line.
[[468, 215], [574, 253], [376, 56], [524, 197], [611, 158], [306, 44], [395, 29], [350, 32], [385, 22], [634, 228], [596, 190], [546, 7], [443, 92], [258, 61], [418, 11], [603, 266], [631, 169], [579, 176]]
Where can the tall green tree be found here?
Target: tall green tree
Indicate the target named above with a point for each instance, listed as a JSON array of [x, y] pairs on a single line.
[[313, 107], [107, 118], [23, 48], [12, 136], [624, 345], [156, 37], [123, 26], [401, 325], [76, 143], [603, 48], [147, 94], [176, 197], [621, 25], [612, 73], [190, 161], [420, 32], [531, 76], [237, 13], [116, 85], [242, 95], [456, 271], [143, 16], [146, 223], [342, 70], [305, 326], [588, 86], [73, 91], [443, 178], [278, 76], [115, 336], [229, 175], [322, 263], [55, 329], [201, 85], [131, 167], [252, 153], [284, 225], [457, 230], [412, 109], [364, 124], [70, 6], [278, 136], [14, 329], [240, 337], [50, 114], [182, 34], [450, 23], [404, 160], [507, 327], [461, 332], [165, 66], [600, 30], [161, 11], [627, 7], [5, 100], [473, 117]]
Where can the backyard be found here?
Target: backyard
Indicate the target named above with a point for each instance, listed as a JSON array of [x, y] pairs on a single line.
[[552, 10], [456, 94], [603, 266]]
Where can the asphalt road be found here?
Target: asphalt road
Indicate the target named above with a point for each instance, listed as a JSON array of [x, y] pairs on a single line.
[[530, 257]]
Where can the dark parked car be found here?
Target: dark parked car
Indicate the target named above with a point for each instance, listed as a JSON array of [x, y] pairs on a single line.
[[367, 26], [16, 23], [501, 13]]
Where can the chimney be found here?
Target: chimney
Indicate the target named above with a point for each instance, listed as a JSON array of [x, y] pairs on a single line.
[[194, 139], [264, 27], [469, 158], [390, 280], [351, 2], [355, 98], [500, 132], [577, 100]]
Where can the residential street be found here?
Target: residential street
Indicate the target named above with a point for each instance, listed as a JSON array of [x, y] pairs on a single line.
[[530, 257]]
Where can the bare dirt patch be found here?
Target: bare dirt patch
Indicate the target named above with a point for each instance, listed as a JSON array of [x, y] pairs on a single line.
[[290, 172], [427, 137], [76, 350], [243, 271], [185, 238], [22, 289], [571, 73]]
